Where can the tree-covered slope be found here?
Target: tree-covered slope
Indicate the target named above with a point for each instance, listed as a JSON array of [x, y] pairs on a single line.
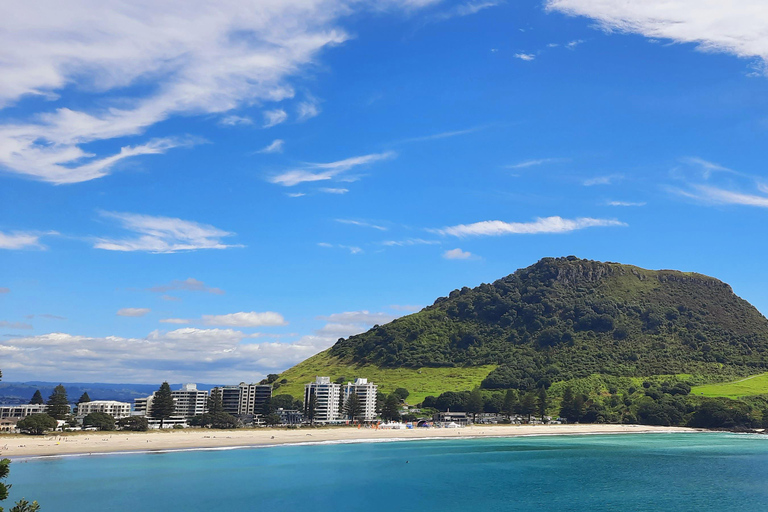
[[566, 318]]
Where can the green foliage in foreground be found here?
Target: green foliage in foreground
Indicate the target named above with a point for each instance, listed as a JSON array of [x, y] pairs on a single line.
[[420, 382], [567, 318], [37, 424], [134, 423], [750, 386], [100, 420]]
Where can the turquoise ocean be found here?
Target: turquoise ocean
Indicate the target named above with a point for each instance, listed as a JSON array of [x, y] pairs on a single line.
[[647, 472]]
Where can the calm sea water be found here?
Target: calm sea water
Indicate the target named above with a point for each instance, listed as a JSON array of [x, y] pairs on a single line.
[[655, 472]]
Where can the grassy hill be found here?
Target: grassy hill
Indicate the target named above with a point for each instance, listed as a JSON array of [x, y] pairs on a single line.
[[750, 386], [558, 320]]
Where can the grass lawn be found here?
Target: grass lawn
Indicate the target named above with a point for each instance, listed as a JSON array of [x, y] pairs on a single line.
[[750, 386], [420, 382]]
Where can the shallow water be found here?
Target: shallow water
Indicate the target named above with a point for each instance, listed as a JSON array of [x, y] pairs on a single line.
[[646, 472]]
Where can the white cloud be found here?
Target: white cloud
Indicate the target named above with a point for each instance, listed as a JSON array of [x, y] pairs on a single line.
[[457, 254], [362, 224], [276, 146], [337, 191], [601, 180], [186, 354], [444, 135], [708, 168], [235, 120], [187, 58], [737, 27], [274, 117], [573, 44], [21, 240], [625, 203], [540, 225], [134, 312], [189, 284], [179, 321], [358, 317], [162, 234], [409, 308], [14, 325], [717, 195], [246, 319], [326, 171], [466, 9], [353, 249], [307, 110], [409, 242], [296, 194], [525, 56], [532, 163]]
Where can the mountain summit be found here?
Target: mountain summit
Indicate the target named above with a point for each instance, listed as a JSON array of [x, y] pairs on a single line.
[[567, 318]]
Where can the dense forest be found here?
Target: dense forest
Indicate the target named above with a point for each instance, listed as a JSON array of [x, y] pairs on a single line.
[[569, 318]]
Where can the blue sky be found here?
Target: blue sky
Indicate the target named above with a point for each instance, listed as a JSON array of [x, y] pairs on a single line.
[[215, 193]]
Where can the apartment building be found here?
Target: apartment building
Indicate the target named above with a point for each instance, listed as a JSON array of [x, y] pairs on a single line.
[[366, 393], [115, 409], [327, 399]]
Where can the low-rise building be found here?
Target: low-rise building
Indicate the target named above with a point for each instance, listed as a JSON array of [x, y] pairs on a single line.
[[115, 409], [21, 410]]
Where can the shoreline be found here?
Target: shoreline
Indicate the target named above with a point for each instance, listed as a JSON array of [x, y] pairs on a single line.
[[119, 443]]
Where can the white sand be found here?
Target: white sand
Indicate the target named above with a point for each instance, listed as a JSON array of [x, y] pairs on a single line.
[[106, 442]]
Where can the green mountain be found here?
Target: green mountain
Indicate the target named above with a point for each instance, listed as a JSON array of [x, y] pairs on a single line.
[[558, 320]]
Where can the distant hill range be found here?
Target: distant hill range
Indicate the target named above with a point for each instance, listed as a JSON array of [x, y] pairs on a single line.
[[557, 320], [21, 392]]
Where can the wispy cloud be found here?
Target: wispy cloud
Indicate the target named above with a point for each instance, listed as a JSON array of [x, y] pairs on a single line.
[[737, 28], [276, 146], [466, 9], [409, 242], [602, 180], [311, 172], [708, 168], [307, 110], [190, 58], [274, 117], [176, 321], [235, 120], [189, 284], [715, 195], [531, 163], [331, 190], [457, 254], [14, 325], [162, 234], [525, 56], [362, 224], [353, 249], [133, 312], [22, 240], [296, 194], [444, 135], [246, 319], [409, 308], [625, 203], [538, 226], [573, 44]]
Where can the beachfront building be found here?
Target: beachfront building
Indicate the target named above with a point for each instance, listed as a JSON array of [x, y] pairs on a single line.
[[115, 409], [230, 398], [20, 411], [244, 399], [189, 401], [366, 393], [327, 396], [253, 397]]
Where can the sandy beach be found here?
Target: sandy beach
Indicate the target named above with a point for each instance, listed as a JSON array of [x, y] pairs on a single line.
[[109, 442]]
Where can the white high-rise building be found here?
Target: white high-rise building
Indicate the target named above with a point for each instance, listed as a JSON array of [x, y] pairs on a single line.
[[327, 398], [188, 401], [115, 409], [366, 393]]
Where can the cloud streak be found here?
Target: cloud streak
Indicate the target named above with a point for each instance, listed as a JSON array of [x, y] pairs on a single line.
[[162, 235], [312, 172], [541, 225]]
